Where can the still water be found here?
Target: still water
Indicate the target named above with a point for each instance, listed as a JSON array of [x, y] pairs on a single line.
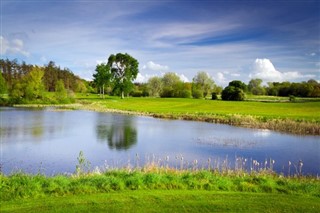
[[49, 141]]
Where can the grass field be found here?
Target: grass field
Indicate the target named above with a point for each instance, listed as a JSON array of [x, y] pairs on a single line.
[[300, 117], [297, 111], [167, 201]]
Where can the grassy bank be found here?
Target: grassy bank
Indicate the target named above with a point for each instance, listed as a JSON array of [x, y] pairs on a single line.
[[297, 118], [159, 190]]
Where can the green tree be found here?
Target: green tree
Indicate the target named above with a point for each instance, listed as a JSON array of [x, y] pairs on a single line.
[[34, 86], [155, 86], [170, 83], [255, 87], [234, 91], [61, 92], [124, 70], [239, 84], [3, 84], [102, 77], [204, 82]]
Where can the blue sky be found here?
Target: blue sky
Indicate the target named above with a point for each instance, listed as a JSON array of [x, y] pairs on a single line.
[[272, 40]]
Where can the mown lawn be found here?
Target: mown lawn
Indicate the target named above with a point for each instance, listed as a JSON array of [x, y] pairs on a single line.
[[308, 111], [167, 201]]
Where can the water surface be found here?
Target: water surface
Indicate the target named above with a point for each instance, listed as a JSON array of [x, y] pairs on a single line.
[[49, 142]]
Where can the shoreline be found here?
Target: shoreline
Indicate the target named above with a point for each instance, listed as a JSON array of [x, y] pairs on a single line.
[[247, 121]]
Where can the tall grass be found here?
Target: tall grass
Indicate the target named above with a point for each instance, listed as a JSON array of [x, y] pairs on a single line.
[[21, 185]]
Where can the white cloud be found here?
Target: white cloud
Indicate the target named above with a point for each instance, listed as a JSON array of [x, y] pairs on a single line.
[[183, 78], [265, 70], [220, 79], [15, 46], [155, 67]]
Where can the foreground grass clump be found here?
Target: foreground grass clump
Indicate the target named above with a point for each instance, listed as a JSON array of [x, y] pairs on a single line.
[[20, 185], [159, 190]]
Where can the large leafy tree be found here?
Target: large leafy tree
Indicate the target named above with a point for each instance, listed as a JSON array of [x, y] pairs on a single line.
[[155, 86], [202, 81], [170, 83], [255, 87], [234, 91], [124, 69], [34, 86], [102, 77]]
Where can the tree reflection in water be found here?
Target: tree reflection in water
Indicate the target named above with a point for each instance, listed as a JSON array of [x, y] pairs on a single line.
[[118, 131]]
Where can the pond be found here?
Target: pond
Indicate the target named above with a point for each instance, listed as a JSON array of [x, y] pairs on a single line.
[[49, 141]]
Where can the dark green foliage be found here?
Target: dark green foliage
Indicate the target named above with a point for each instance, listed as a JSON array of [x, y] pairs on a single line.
[[231, 93], [214, 96], [238, 84], [124, 69], [3, 85], [197, 93], [310, 88], [292, 98], [102, 77], [234, 92]]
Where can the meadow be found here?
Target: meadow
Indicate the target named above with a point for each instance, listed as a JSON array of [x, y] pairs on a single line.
[[300, 117]]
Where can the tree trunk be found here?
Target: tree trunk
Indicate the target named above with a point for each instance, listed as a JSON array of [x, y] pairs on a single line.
[[122, 95]]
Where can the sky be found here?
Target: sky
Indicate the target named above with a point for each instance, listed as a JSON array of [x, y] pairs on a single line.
[[274, 40]]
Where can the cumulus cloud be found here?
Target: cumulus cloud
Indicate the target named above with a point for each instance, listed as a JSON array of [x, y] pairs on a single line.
[[265, 70], [183, 78], [220, 79], [155, 67], [15, 46]]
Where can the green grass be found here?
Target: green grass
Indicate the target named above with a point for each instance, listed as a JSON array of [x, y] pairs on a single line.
[[297, 117], [297, 111], [167, 201], [159, 190]]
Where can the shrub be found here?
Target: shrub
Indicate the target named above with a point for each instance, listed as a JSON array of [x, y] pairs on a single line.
[[231, 93], [214, 96], [197, 93]]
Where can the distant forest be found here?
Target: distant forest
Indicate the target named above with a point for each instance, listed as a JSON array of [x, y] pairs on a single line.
[[13, 72]]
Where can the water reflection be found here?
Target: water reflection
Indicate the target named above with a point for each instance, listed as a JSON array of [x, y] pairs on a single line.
[[29, 125], [118, 131]]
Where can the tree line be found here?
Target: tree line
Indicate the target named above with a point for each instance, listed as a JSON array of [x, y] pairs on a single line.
[[116, 78], [28, 83]]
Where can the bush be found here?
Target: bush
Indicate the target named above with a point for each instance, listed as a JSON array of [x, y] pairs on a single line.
[[197, 93], [231, 93], [214, 96], [167, 93], [292, 98]]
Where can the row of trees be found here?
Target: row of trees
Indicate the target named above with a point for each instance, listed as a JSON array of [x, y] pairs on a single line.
[[24, 82], [203, 85], [170, 85]]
